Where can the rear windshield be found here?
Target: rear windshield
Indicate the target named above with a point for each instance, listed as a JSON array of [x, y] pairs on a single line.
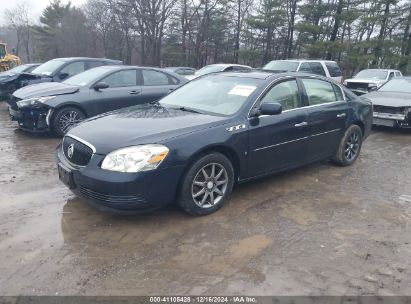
[[280, 65], [334, 69]]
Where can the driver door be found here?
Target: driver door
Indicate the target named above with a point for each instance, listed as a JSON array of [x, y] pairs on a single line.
[[279, 141]]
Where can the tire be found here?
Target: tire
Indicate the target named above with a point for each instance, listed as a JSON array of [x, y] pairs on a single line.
[[350, 146], [59, 123], [202, 191]]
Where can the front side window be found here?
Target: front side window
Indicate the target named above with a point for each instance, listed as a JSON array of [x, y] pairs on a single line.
[[284, 93], [319, 91], [126, 78], [155, 78], [73, 68]]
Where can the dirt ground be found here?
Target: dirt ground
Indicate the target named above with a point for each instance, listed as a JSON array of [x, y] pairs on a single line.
[[319, 230]]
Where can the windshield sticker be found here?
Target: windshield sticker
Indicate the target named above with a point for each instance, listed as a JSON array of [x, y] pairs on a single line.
[[242, 90]]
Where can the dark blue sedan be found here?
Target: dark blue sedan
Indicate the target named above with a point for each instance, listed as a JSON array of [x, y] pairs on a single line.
[[218, 130]]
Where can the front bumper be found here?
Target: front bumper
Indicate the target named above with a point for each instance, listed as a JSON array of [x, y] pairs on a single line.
[[117, 192], [391, 120], [32, 120]]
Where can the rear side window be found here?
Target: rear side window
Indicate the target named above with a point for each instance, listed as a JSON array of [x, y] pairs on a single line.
[[126, 78], [319, 91], [156, 78], [94, 64], [312, 68], [333, 69]]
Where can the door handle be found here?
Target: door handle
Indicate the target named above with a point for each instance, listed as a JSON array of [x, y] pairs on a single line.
[[302, 124], [134, 92], [341, 115]]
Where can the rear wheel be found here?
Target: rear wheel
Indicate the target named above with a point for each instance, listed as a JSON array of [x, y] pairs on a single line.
[[350, 146], [207, 185], [65, 118]]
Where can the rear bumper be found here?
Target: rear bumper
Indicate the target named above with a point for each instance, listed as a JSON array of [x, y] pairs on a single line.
[[122, 193]]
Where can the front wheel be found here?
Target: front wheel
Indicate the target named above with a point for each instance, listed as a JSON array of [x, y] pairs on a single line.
[[207, 185], [65, 118], [350, 146]]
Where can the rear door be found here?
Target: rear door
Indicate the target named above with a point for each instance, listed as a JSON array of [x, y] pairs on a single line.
[[123, 91], [327, 116], [279, 141], [157, 84]]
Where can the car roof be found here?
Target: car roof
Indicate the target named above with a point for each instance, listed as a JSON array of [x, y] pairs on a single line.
[[228, 64], [384, 70], [305, 60], [261, 74], [85, 58]]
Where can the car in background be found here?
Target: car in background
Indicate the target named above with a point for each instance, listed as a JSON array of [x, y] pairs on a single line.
[[392, 103], [183, 71], [324, 68], [56, 106], [57, 70], [370, 80], [218, 68], [197, 142], [12, 76]]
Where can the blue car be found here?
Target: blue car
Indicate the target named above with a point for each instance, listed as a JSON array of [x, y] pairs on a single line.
[[193, 145]]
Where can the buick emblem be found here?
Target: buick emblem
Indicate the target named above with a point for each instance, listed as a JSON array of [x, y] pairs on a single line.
[[70, 151]]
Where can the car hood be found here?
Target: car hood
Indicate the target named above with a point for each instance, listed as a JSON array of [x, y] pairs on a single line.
[[141, 124], [389, 99], [356, 80], [45, 89]]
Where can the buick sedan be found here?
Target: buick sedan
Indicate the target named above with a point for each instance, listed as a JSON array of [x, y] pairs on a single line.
[[196, 143]]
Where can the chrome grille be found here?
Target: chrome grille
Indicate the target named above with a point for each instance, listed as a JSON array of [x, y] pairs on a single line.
[[76, 152]]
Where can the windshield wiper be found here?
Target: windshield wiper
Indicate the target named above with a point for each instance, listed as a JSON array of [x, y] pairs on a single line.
[[188, 110]]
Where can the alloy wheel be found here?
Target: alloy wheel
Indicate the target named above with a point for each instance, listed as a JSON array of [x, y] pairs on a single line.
[[209, 185], [352, 146], [68, 119]]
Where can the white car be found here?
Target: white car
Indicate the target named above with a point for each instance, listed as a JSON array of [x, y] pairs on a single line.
[[217, 68], [325, 68], [370, 80]]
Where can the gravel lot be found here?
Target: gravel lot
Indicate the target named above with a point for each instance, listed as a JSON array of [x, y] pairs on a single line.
[[318, 230]]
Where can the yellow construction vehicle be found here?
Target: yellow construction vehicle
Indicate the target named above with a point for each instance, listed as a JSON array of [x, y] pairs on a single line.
[[7, 61]]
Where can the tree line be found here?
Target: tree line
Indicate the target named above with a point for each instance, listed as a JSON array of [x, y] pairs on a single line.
[[356, 33]]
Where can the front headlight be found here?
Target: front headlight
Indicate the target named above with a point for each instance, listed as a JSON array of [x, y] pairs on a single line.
[[135, 159], [34, 101]]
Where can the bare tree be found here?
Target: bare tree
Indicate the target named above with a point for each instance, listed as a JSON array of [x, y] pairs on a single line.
[[18, 19]]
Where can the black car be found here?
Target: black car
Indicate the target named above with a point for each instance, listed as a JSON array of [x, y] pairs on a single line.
[[9, 77], [57, 70], [392, 103], [183, 71], [197, 142], [57, 106]]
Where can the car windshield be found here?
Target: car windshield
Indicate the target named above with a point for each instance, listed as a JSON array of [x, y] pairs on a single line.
[[218, 94], [86, 77], [49, 67], [372, 74], [209, 69], [279, 65], [401, 85]]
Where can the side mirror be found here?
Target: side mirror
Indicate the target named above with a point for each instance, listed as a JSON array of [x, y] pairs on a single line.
[[372, 89], [270, 109], [63, 76], [100, 85]]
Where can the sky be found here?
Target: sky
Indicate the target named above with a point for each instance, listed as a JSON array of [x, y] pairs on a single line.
[[36, 7]]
